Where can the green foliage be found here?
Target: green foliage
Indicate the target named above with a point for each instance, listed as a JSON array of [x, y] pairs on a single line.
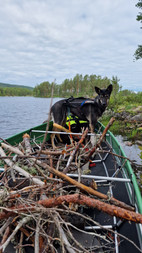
[[42, 90], [139, 16], [78, 86], [125, 100], [5, 85], [138, 52], [15, 91]]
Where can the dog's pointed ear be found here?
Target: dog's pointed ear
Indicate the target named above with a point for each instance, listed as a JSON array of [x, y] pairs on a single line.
[[97, 90], [110, 88]]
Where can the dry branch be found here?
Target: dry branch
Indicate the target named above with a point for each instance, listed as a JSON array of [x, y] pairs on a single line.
[[61, 128], [20, 170], [26, 139], [12, 149], [85, 188], [21, 223], [101, 138], [75, 150]]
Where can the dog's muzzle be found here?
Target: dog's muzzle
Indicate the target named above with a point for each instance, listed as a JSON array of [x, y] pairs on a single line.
[[103, 102]]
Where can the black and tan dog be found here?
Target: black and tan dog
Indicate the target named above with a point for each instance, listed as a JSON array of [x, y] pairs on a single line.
[[84, 108]]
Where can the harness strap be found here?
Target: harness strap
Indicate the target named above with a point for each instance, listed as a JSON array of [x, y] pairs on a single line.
[[86, 102], [69, 103], [82, 103]]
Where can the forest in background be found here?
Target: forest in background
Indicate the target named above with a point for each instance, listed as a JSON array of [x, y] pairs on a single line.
[[84, 86], [78, 86], [15, 90]]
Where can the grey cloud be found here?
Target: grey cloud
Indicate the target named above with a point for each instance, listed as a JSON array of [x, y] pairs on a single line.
[[44, 40]]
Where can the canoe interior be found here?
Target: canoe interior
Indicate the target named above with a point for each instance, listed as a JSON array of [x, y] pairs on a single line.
[[105, 165]]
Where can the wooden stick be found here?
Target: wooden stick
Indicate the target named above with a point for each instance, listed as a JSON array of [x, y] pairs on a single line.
[[37, 230], [63, 236], [62, 128], [75, 150], [20, 224], [101, 138], [26, 139], [21, 242], [48, 123], [5, 237], [84, 187], [20, 170], [12, 149], [49, 152], [25, 232], [55, 125]]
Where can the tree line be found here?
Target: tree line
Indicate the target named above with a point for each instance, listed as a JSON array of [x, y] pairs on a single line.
[[85, 86], [78, 86], [15, 91]]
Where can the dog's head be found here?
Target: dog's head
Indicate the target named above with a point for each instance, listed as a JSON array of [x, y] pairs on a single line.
[[104, 95]]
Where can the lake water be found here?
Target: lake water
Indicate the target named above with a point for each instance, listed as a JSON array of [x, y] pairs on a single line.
[[20, 113]]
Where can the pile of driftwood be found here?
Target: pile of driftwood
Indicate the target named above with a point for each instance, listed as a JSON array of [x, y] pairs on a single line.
[[41, 205]]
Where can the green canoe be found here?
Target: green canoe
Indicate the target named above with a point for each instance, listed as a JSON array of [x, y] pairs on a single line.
[[113, 173]]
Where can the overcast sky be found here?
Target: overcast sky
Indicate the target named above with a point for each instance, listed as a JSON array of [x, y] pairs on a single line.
[[44, 40]]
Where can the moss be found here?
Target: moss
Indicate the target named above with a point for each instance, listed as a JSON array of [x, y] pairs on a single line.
[[31, 170]]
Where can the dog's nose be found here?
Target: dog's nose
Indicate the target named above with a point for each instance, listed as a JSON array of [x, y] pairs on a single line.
[[104, 102]]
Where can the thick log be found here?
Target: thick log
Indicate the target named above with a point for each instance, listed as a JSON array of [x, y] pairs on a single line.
[[93, 203], [79, 199]]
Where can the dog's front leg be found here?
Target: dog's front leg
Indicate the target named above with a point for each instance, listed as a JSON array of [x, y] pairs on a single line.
[[52, 141]]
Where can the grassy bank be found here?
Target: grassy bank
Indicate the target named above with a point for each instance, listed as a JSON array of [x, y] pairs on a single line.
[[124, 128]]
